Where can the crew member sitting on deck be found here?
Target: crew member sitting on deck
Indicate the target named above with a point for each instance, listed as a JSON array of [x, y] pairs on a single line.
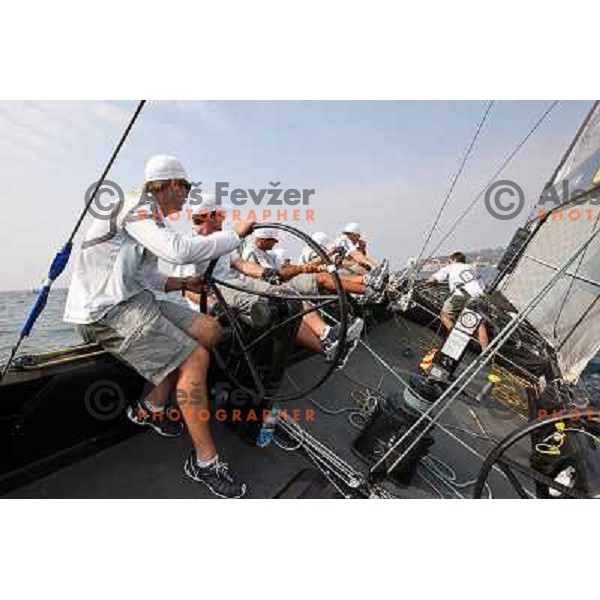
[[308, 255], [260, 249], [368, 287], [351, 249], [464, 285], [256, 276], [111, 301]]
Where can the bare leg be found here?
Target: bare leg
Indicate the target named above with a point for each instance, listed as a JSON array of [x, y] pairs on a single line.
[[192, 399], [448, 322], [307, 338], [313, 319], [207, 332], [159, 396], [483, 336], [354, 284]]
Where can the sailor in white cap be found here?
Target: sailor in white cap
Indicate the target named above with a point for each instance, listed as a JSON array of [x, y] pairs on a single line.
[[260, 271], [350, 248], [111, 300], [163, 167], [308, 254], [261, 248]]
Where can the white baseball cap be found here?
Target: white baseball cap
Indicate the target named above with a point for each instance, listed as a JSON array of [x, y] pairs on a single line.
[[267, 234], [209, 204], [320, 237], [351, 228], [163, 167]]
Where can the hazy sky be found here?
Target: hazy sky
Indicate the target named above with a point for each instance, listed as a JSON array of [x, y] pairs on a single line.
[[385, 164]]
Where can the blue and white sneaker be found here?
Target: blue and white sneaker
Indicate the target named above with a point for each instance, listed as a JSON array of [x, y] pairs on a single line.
[[331, 342], [216, 477], [163, 422]]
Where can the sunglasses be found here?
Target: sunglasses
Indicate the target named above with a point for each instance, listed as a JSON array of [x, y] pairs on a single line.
[[200, 218], [182, 183]]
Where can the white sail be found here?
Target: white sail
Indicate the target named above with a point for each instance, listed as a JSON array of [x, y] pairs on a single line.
[[568, 317]]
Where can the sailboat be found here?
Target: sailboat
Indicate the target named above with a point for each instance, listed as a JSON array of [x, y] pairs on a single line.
[[409, 417]]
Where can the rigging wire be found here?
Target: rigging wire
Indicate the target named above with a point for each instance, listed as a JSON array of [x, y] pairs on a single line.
[[322, 461], [112, 159], [453, 183], [500, 169], [433, 341], [395, 373], [445, 474], [319, 460], [551, 183], [323, 457], [464, 379], [62, 257], [574, 277]]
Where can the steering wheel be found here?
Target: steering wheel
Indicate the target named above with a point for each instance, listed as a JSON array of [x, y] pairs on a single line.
[[244, 345], [507, 465]]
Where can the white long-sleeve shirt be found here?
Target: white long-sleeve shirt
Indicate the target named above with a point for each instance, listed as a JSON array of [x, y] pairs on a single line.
[[265, 258], [307, 255], [346, 245], [223, 271], [119, 258]]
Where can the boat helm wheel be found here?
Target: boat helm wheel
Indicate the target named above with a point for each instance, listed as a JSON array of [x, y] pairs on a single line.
[[550, 445], [243, 345]]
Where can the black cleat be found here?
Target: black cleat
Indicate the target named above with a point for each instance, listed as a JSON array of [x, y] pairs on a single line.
[[163, 422], [216, 477]]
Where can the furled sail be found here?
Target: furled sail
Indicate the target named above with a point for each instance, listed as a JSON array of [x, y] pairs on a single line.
[[567, 214]]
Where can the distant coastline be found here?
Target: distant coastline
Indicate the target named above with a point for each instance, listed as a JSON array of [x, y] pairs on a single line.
[[481, 258]]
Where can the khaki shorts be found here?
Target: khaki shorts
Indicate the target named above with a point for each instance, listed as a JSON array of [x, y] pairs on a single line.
[[145, 333], [454, 304], [305, 284], [242, 301]]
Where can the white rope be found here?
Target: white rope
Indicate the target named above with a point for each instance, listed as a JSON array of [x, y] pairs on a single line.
[[327, 457], [405, 383], [465, 378], [559, 437]]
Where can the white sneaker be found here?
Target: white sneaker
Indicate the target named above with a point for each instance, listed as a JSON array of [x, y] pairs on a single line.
[[567, 478], [352, 338]]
